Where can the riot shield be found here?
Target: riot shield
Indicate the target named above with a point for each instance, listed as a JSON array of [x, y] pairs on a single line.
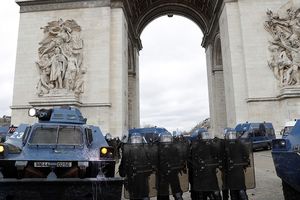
[[172, 174], [138, 166], [206, 159], [239, 165]]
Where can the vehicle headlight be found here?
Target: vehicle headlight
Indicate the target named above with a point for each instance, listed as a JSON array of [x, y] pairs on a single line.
[[282, 143], [32, 112], [103, 151], [279, 144], [1, 149], [106, 152]]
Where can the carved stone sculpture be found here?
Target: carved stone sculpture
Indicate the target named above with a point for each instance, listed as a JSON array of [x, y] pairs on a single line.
[[285, 44], [60, 59]]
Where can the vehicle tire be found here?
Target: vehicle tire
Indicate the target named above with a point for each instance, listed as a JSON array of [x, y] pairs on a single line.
[[289, 192]]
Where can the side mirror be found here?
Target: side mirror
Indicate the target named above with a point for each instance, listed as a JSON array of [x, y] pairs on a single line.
[[89, 136]]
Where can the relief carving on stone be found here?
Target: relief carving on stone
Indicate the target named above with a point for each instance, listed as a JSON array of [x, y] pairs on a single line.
[[284, 27], [60, 59]]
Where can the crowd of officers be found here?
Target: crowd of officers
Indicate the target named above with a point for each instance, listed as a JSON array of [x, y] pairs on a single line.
[[211, 168]]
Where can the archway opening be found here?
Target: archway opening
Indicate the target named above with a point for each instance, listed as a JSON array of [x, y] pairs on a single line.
[[173, 74]]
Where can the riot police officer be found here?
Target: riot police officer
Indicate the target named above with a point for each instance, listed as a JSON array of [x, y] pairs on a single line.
[[169, 167], [115, 143], [135, 166], [237, 159], [204, 161]]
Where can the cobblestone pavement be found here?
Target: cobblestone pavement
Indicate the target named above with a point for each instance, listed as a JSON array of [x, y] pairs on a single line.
[[268, 185]]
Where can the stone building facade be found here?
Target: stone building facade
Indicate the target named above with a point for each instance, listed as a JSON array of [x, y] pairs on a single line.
[[85, 53]]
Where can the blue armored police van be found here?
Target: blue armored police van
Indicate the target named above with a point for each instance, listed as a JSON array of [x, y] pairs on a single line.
[[261, 134], [286, 157], [60, 157]]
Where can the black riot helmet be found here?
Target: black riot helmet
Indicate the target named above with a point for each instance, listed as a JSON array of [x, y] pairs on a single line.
[[136, 138], [165, 137], [204, 135], [108, 137]]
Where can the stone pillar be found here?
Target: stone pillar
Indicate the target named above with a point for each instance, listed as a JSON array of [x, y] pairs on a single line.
[[219, 101], [119, 72], [209, 67], [216, 88], [103, 30], [235, 80], [219, 88], [133, 91]]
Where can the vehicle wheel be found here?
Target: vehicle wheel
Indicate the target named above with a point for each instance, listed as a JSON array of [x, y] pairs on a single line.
[[289, 192]]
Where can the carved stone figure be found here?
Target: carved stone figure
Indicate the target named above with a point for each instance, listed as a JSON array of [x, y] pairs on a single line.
[[71, 73], [60, 58], [44, 84], [285, 45], [58, 69], [79, 84]]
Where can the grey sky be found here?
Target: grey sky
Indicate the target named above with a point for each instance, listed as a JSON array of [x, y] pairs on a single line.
[[9, 20], [173, 80]]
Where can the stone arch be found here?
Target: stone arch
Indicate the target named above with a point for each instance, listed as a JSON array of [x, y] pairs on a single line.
[[166, 9], [203, 12]]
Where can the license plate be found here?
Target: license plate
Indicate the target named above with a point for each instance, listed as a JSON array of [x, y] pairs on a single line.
[[63, 164], [57, 164]]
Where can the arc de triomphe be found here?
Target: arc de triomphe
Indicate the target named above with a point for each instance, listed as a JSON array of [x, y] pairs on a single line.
[[85, 53]]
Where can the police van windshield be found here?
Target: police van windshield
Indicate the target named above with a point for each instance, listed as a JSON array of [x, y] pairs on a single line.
[[57, 135]]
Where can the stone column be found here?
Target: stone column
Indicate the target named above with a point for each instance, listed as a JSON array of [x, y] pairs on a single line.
[[133, 91], [119, 72], [209, 67], [233, 64], [216, 89]]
